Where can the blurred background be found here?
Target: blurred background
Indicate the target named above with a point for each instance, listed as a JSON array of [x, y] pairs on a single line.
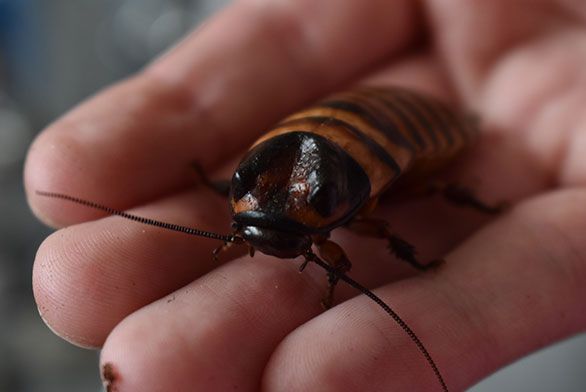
[[55, 53]]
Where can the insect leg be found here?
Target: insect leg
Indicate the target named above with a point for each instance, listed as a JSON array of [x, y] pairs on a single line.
[[221, 187], [334, 255], [220, 249], [311, 257], [379, 228], [464, 197]]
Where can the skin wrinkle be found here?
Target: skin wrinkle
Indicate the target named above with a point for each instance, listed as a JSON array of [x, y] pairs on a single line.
[[448, 330], [91, 291], [47, 308]]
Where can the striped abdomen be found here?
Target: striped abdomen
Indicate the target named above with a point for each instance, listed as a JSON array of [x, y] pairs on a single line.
[[389, 132]]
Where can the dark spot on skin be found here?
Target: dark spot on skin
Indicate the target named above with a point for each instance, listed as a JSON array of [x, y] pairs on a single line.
[[171, 299], [109, 377]]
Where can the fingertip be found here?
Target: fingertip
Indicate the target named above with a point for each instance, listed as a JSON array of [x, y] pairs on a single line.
[[48, 168], [216, 333], [109, 149], [121, 365], [53, 295]]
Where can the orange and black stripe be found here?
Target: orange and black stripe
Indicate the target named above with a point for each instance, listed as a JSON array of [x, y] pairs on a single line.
[[390, 132]]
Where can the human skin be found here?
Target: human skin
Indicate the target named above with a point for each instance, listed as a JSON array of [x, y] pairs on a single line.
[[169, 319]]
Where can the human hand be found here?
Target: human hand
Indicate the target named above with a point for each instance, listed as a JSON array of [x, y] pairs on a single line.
[[169, 319]]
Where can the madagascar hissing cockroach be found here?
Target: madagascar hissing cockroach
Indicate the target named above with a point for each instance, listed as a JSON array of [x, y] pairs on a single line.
[[326, 167]]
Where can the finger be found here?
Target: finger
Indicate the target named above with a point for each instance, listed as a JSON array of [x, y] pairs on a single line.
[[476, 39], [209, 96], [123, 266], [514, 287], [501, 164], [88, 277], [496, 168], [121, 263], [105, 269], [215, 334]]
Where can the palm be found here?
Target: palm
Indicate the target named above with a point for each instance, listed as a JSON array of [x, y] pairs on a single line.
[[255, 321], [519, 65]]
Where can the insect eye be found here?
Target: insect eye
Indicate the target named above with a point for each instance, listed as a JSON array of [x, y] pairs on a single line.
[[242, 183], [324, 199]]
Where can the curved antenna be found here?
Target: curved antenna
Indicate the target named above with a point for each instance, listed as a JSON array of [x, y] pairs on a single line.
[[140, 219], [312, 257]]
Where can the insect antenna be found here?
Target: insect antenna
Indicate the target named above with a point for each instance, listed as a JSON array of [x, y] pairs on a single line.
[[140, 219], [312, 257]]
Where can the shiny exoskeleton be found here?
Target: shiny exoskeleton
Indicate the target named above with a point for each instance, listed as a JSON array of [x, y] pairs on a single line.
[[326, 167]]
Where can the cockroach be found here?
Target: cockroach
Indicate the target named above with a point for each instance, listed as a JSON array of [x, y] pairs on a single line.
[[326, 167]]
